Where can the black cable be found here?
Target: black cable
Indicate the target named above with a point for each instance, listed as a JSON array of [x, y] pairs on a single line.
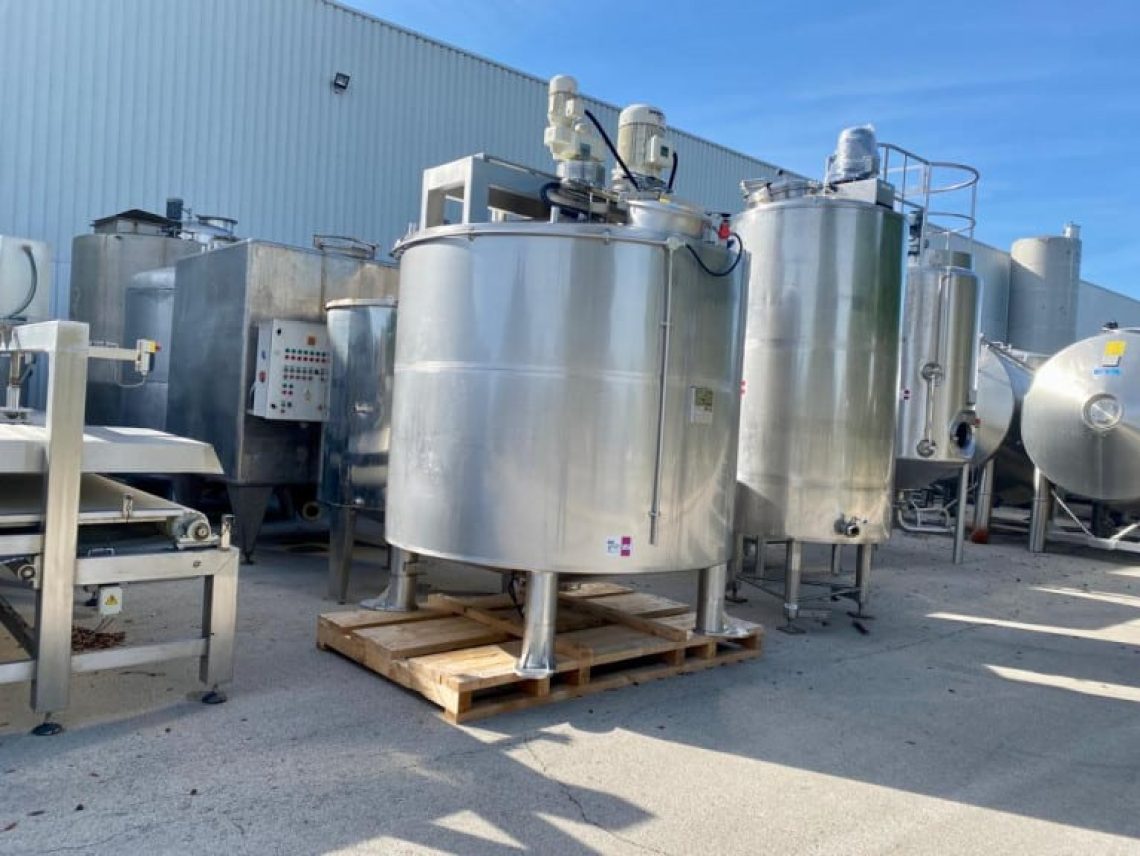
[[730, 268], [672, 173], [35, 281], [613, 151]]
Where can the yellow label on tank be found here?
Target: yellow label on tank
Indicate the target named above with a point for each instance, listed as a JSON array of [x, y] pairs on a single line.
[[1115, 348]]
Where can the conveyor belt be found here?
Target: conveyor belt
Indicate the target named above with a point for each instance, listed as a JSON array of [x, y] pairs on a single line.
[[101, 502], [109, 450]]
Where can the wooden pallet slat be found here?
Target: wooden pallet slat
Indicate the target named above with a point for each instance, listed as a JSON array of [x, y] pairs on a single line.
[[460, 651]]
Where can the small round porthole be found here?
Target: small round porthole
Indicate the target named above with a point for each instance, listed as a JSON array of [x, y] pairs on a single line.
[[1103, 412]]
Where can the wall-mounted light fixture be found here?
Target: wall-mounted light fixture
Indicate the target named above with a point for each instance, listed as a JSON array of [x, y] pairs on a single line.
[[340, 82]]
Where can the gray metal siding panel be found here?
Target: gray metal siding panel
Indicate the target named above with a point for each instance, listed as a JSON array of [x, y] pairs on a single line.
[[121, 103], [228, 103], [1096, 306]]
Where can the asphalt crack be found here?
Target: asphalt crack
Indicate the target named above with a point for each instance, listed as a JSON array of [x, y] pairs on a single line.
[[568, 792]]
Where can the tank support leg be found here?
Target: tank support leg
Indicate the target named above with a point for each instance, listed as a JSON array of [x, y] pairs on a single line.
[[537, 659], [793, 573], [960, 516], [735, 570], [836, 559], [342, 534], [711, 618], [983, 504], [864, 555], [400, 596], [1042, 514]]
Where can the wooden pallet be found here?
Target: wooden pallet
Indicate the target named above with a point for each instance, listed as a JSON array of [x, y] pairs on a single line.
[[460, 652]]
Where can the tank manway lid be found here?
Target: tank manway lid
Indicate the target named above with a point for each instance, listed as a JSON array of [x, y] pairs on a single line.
[[759, 191], [360, 302]]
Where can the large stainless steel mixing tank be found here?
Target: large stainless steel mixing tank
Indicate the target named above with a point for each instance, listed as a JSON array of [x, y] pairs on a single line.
[[566, 399]]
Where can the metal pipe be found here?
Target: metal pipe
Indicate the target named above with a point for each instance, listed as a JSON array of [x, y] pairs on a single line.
[[537, 659], [983, 504], [400, 595], [711, 617], [1042, 513], [662, 394], [960, 514]]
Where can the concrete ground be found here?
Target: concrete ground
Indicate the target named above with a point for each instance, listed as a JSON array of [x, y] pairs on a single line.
[[993, 707]]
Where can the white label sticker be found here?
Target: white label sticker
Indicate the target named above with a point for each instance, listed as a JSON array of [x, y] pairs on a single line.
[[619, 546]]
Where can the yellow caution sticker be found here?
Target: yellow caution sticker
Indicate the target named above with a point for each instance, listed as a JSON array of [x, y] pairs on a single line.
[[1115, 348]]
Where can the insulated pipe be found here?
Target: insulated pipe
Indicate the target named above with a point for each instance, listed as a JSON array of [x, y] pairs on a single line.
[[537, 659], [711, 618], [400, 596]]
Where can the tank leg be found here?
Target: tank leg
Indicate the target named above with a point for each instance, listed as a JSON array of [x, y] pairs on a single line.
[[711, 618], [983, 504], [537, 659], [960, 517], [793, 572], [342, 532], [864, 555], [1042, 514], [761, 553], [400, 596], [836, 559]]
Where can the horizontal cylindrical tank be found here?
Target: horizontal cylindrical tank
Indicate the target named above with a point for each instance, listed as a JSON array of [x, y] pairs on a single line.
[[1045, 275], [1081, 418], [148, 314], [562, 390], [821, 357], [939, 368], [1004, 377], [354, 445]]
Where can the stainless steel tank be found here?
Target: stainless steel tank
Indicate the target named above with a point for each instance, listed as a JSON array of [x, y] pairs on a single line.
[[1081, 417], [817, 436], [1045, 276], [148, 309], [939, 368], [354, 447], [355, 441], [1004, 468], [102, 265], [566, 399], [1004, 377], [222, 297]]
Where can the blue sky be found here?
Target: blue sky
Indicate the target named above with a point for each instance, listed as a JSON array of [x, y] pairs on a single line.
[[1042, 97]]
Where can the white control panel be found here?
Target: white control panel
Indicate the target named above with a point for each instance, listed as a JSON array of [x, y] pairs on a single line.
[[291, 381]]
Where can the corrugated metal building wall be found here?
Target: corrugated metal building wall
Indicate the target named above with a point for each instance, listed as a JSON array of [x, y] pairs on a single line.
[[120, 103], [228, 103]]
